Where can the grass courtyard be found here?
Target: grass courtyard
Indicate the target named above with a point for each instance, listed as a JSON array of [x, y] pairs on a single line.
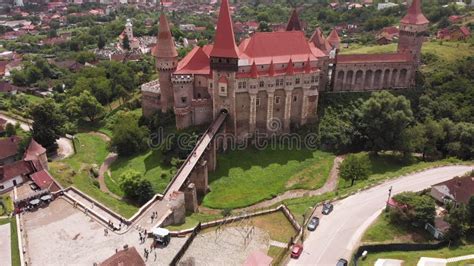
[[15, 253], [91, 150], [149, 164], [243, 178]]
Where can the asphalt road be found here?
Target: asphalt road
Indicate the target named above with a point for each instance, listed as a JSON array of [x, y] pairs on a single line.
[[339, 233]]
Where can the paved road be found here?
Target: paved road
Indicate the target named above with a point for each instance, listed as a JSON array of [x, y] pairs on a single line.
[[339, 233], [5, 248], [65, 145]]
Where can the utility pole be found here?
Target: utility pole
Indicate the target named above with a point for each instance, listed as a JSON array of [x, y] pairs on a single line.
[[389, 196]]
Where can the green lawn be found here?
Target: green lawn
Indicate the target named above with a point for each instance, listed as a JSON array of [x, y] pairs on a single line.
[[91, 149], [15, 253], [412, 257], [447, 52], [246, 177], [7, 206], [149, 164], [382, 230]]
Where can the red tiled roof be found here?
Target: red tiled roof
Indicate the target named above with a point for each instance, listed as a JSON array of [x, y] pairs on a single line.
[[263, 47], [371, 58], [465, 31], [391, 30], [414, 14], [128, 257], [320, 41], [195, 62], [294, 22], [461, 188], [18, 168], [223, 79], [165, 47], [33, 151], [8, 147], [42, 179], [224, 42], [334, 38]]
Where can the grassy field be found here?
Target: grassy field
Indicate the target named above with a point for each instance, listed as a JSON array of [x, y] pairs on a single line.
[[447, 52], [15, 253], [383, 231], [91, 150], [7, 206], [412, 257], [150, 164], [246, 177]]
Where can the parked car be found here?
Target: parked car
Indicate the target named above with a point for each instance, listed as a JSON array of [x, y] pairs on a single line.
[[296, 251], [313, 223], [342, 262], [327, 208], [34, 187]]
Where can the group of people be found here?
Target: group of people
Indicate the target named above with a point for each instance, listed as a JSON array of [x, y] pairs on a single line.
[[154, 215]]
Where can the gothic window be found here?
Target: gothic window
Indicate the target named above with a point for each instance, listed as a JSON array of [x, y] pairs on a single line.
[[257, 102], [244, 85], [277, 100], [295, 98], [199, 95], [261, 84], [240, 85], [184, 99], [297, 81]]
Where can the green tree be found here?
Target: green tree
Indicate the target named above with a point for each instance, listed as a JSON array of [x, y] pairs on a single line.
[[420, 209], [135, 187], [89, 106], [412, 140], [355, 167], [384, 118], [128, 137], [126, 42], [48, 122], [101, 41], [10, 130], [470, 211], [457, 219]]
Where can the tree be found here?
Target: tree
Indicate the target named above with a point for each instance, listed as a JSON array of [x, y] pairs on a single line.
[[101, 41], [48, 122], [419, 210], [470, 211], [457, 219], [384, 117], [10, 130], [126, 42], [412, 140], [128, 137], [135, 187], [355, 167]]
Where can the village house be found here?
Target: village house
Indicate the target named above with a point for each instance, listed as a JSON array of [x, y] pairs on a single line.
[[454, 33], [457, 190]]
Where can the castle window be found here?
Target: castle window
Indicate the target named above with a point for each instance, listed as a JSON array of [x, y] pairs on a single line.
[[295, 98], [288, 83], [184, 99], [277, 100], [279, 82], [199, 95], [314, 79], [297, 81], [257, 102], [261, 84], [199, 82], [242, 85]]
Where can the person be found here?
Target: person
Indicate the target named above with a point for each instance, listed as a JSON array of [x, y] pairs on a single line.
[[106, 232]]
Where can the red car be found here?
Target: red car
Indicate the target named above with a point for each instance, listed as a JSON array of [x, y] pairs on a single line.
[[296, 251]]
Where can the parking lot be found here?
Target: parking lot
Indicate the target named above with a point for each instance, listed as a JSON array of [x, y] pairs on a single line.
[[59, 234]]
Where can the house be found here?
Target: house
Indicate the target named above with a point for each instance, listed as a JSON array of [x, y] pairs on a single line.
[[383, 39], [13, 174], [128, 256], [457, 190], [454, 34], [44, 180], [8, 149]]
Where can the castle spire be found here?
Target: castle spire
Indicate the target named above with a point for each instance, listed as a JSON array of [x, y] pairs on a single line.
[[165, 47], [224, 42], [290, 70], [319, 40], [334, 39], [307, 67], [294, 23], [271, 69], [414, 14], [254, 71]]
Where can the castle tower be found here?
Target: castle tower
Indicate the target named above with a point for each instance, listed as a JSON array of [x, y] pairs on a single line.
[[224, 65], [129, 29], [413, 28], [166, 62], [294, 22]]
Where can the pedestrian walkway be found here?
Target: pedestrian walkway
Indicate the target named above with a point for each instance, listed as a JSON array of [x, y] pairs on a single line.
[[426, 261], [278, 244], [5, 245]]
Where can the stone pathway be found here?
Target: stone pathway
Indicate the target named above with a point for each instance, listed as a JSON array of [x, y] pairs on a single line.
[[330, 185], [104, 168], [5, 245]]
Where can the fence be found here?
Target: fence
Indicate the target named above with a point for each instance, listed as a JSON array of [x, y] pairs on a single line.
[[186, 245]]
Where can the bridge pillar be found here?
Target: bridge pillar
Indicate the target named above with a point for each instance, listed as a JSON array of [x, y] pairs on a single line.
[[190, 198], [199, 176], [211, 156]]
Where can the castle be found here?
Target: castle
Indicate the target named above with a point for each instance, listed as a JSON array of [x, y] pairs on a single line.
[[271, 81]]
